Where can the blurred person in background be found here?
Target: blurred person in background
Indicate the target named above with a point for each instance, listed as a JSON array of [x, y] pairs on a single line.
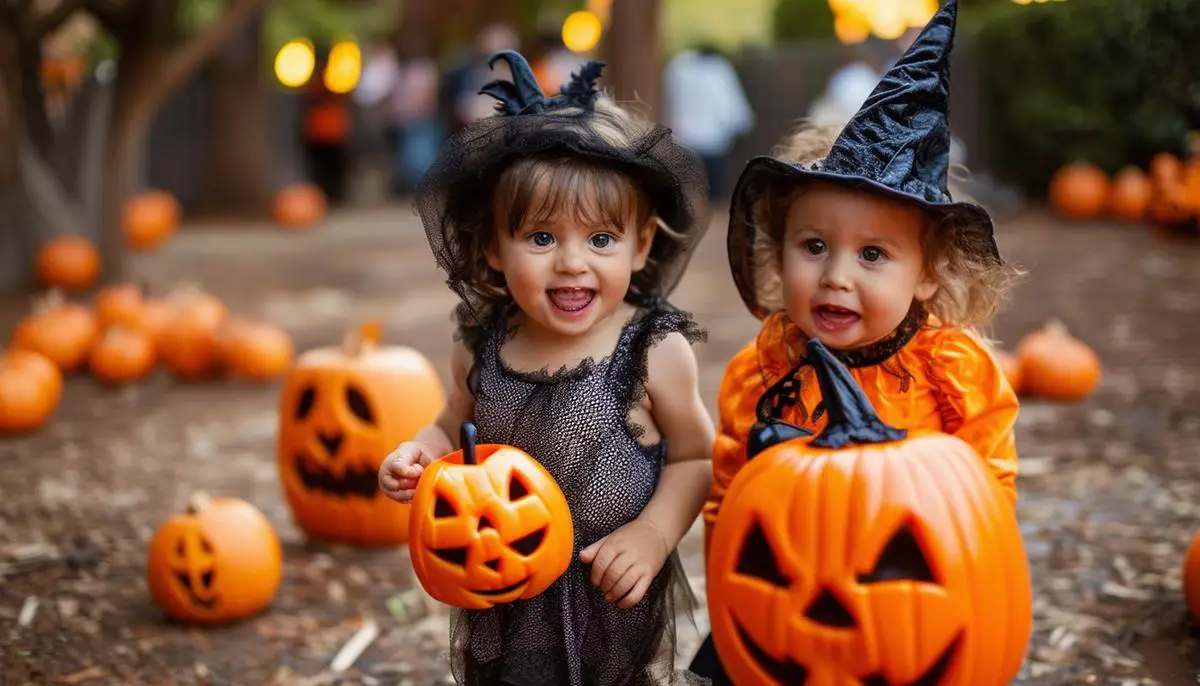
[[706, 108], [325, 131], [847, 88], [403, 85], [460, 98]]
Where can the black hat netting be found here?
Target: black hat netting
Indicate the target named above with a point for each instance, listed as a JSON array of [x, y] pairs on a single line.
[[454, 199]]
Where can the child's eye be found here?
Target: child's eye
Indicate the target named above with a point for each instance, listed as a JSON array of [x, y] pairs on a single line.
[[816, 246], [873, 254], [541, 239], [602, 241]]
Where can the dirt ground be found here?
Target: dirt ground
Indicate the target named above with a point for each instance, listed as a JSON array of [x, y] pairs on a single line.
[[1108, 488]]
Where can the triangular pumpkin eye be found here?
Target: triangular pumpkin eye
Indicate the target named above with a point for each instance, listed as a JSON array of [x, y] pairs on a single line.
[[757, 559], [442, 508], [516, 488], [902, 559]]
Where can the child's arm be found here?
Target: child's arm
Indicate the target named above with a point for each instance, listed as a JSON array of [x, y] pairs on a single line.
[[399, 472], [978, 404], [625, 562]]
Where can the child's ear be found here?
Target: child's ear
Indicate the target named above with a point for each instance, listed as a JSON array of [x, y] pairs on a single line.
[[927, 287], [645, 241], [492, 253]]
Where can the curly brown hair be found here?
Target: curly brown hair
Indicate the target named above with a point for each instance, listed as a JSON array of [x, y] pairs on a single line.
[[971, 286]]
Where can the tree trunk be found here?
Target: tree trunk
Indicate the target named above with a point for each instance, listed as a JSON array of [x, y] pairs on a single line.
[[634, 54], [239, 173]]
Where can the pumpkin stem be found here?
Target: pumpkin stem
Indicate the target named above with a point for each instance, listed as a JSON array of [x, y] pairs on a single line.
[[466, 438], [199, 502], [365, 338], [852, 420], [52, 300], [1056, 327]]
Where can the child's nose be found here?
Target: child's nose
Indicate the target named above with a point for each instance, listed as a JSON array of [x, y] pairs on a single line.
[[837, 276], [570, 260]]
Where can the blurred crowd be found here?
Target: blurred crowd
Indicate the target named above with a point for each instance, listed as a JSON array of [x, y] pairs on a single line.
[[406, 103]]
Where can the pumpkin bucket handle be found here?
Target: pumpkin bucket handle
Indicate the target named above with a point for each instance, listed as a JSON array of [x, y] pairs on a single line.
[[852, 419], [466, 438]]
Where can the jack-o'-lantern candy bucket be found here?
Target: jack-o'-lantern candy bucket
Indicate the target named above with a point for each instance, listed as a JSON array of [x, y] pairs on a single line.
[[341, 412], [489, 525], [867, 555]]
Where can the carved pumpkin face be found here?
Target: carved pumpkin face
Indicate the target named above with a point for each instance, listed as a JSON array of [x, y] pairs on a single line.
[[489, 526], [341, 412], [219, 561], [867, 555]]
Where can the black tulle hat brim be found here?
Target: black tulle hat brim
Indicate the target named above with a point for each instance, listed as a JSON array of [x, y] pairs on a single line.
[[764, 173]]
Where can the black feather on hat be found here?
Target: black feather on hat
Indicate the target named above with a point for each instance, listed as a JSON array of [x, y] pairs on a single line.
[[897, 144]]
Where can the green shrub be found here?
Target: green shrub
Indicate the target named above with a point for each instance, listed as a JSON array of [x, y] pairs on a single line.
[[802, 20], [1110, 82]]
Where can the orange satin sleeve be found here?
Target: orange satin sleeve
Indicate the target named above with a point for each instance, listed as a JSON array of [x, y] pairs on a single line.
[[741, 387], [976, 401]]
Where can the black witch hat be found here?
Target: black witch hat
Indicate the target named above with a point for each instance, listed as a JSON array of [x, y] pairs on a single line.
[[454, 198], [898, 144]]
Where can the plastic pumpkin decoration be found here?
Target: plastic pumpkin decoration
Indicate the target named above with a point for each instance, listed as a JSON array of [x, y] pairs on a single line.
[[1056, 365], [1079, 191], [299, 205], [1130, 197], [149, 219], [489, 526], [342, 410], [70, 262], [62, 331], [30, 389], [250, 350], [122, 356], [867, 555], [218, 561]]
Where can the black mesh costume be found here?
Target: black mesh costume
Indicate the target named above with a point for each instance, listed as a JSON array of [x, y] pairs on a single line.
[[574, 421]]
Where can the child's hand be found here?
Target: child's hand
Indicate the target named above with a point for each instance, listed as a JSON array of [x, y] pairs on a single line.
[[399, 472], [626, 561]]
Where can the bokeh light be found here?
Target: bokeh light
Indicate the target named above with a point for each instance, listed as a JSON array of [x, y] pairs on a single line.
[[851, 27], [581, 31], [294, 62], [344, 67]]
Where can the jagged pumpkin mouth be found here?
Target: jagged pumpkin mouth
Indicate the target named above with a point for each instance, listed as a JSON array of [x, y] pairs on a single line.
[[787, 673], [355, 482]]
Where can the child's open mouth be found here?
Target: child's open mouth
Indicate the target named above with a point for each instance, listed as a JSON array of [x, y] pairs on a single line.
[[834, 318], [571, 300]]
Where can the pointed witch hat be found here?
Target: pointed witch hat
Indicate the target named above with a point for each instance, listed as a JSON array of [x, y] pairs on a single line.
[[898, 145]]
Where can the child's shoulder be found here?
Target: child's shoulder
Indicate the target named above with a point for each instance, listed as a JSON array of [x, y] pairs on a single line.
[[956, 357]]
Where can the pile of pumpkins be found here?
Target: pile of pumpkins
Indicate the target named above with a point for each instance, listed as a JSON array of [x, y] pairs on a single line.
[[1051, 363], [120, 339], [1167, 196]]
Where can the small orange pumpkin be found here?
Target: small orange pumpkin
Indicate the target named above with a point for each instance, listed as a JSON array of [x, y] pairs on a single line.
[[31, 388], [1011, 367], [149, 219], [1079, 191], [489, 525], [118, 305], [1191, 578], [219, 561], [1131, 192], [122, 356], [867, 554], [1055, 364], [1165, 168], [187, 343], [342, 410], [252, 350], [60, 330], [300, 205], [70, 262]]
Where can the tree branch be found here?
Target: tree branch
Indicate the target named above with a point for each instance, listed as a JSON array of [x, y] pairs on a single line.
[[182, 61], [50, 21]]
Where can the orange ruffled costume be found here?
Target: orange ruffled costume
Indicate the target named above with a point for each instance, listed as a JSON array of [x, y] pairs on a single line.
[[943, 379]]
